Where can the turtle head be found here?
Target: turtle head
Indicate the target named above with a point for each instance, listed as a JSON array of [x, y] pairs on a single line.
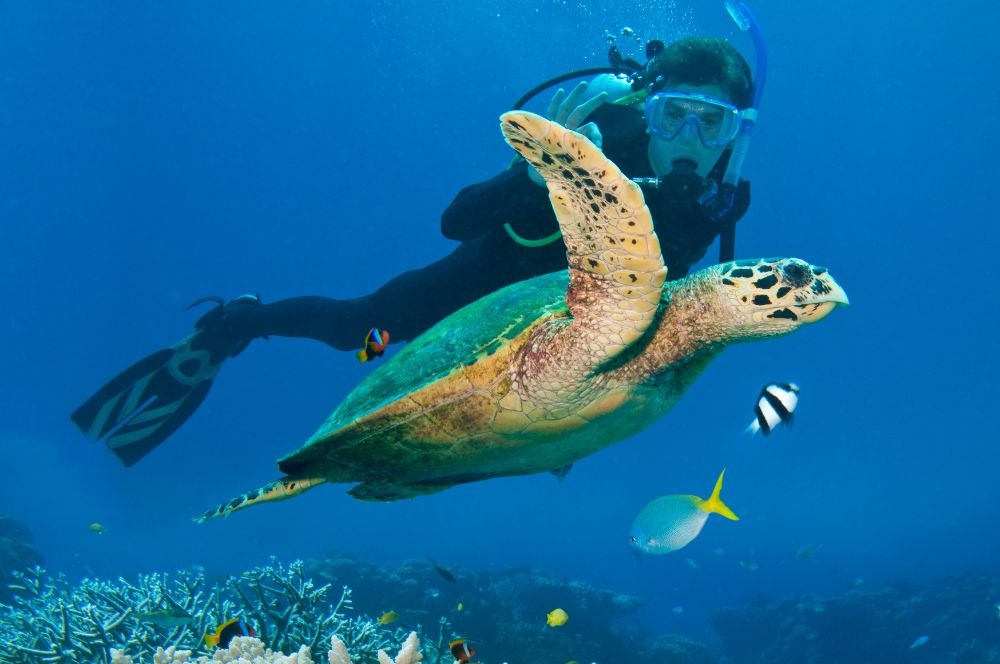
[[767, 297]]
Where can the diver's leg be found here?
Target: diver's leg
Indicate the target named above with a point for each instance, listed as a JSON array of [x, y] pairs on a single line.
[[405, 306]]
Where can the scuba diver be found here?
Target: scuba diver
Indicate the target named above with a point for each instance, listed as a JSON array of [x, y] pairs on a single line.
[[670, 124]]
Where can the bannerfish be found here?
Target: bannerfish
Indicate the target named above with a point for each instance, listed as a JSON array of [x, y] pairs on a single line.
[[388, 617], [375, 342], [775, 406], [669, 523], [227, 631], [461, 649], [556, 618], [168, 617]]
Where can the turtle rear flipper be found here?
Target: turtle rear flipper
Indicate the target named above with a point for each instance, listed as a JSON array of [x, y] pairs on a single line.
[[286, 487]]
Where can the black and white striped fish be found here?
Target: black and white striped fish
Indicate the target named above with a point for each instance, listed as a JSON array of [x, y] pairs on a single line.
[[775, 405]]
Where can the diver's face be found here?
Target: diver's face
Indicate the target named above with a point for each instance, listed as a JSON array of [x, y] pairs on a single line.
[[687, 144]]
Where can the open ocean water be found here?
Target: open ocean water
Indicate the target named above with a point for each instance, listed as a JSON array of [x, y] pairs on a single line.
[[154, 153]]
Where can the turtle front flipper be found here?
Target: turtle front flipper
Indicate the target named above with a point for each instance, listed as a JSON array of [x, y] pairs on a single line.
[[615, 264], [286, 487]]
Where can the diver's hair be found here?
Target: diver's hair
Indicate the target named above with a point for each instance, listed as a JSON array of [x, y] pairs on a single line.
[[704, 61]]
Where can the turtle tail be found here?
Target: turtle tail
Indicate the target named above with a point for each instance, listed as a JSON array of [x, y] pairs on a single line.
[[286, 487]]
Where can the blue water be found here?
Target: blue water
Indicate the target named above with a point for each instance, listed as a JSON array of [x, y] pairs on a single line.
[[153, 153]]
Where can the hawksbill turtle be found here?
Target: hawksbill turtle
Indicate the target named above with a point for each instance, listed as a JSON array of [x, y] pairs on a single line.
[[547, 371]]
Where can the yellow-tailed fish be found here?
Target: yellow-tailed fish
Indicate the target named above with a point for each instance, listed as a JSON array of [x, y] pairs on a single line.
[[556, 618], [389, 617], [669, 523]]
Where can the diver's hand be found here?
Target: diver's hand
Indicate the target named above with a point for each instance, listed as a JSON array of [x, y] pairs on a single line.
[[682, 187], [569, 113]]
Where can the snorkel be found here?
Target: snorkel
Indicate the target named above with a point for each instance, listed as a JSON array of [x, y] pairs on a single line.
[[746, 21], [719, 208]]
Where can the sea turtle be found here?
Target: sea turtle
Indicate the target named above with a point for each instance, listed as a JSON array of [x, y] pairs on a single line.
[[544, 372]]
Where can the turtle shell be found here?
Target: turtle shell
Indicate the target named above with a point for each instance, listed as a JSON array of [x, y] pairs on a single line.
[[467, 337]]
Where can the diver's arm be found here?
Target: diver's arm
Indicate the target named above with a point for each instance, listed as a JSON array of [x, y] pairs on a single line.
[[684, 228], [508, 198]]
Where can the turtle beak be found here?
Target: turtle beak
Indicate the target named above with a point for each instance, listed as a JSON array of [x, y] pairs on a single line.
[[827, 296]]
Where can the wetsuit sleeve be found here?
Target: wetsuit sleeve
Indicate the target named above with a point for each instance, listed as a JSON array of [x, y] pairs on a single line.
[[508, 198]]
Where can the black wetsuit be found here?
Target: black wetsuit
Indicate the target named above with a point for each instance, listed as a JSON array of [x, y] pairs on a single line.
[[488, 259]]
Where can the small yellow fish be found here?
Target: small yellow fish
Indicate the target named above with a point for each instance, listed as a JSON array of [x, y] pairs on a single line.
[[556, 618], [460, 606], [389, 617], [97, 528]]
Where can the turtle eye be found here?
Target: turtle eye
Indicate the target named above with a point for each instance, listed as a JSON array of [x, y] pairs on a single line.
[[796, 273]]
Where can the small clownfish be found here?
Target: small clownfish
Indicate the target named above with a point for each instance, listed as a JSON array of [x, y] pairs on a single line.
[[461, 650], [375, 342], [227, 631]]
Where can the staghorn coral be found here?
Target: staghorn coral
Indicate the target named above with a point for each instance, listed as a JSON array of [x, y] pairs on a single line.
[[250, 650], [97, 621]]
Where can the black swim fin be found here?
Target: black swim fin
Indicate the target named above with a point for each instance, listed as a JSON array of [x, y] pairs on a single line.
[[140, 407]]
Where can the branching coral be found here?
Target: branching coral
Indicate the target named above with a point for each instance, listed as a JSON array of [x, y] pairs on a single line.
[[250, 650], [53, 621]]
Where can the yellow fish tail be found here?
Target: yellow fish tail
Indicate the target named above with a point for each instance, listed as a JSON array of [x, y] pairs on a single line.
[[714, 503], [211, 640], [362, 356]]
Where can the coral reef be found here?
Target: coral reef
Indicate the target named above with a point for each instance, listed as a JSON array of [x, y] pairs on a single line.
[[17, 552], [53, 620], [250, 650], [505, 609], [677, 649], [959, 615]]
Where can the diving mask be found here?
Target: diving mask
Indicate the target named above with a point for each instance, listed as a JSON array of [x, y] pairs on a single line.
[[717, 122]]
